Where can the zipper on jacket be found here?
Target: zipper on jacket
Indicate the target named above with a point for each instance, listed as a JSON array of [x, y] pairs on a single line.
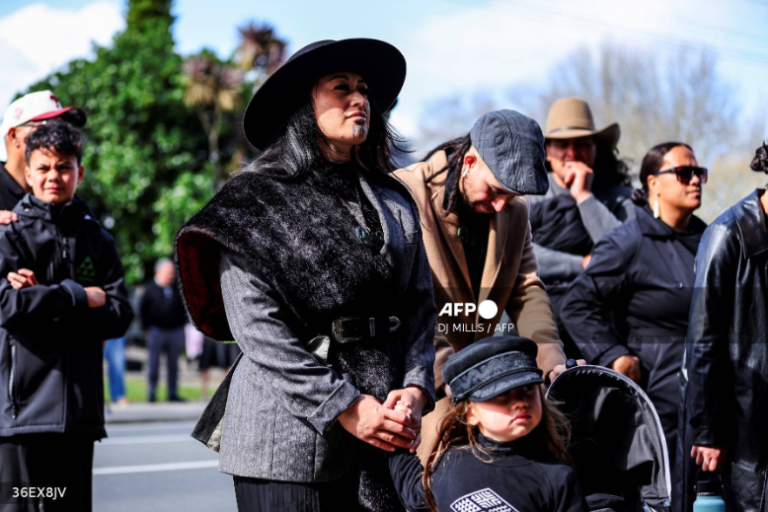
[[12, 381]]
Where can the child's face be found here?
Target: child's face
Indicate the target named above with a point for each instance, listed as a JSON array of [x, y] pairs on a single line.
[[509, 416], [53, 176]]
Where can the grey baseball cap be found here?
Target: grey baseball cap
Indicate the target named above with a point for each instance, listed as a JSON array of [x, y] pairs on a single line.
[[512, 146]]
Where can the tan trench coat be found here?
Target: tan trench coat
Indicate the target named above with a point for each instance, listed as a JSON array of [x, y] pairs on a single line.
[[510, 279]]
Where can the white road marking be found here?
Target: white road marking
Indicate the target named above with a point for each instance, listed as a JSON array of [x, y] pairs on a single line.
[[177, 438], [153, 468]]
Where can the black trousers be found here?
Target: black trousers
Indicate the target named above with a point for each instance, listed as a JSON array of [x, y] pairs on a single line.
[[256, 495], [45, 466]]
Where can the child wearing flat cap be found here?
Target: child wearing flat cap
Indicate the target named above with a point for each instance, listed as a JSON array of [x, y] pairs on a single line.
[[500, 449]]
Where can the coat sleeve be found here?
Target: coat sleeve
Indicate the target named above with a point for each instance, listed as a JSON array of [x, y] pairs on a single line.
[[587, 305], [113, 318], [708, 336], [557, 265], [598, 220], [420, 353], [407, 471], [530, 310], [34, 303], [304, 386]]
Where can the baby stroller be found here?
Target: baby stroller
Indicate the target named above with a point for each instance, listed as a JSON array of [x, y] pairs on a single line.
[[617, 442]]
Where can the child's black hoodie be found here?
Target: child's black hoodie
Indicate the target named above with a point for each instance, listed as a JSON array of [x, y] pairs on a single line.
[[516, 476]]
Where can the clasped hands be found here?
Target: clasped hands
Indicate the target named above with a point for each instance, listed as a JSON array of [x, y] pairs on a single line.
[[396, 423], [25, 278]]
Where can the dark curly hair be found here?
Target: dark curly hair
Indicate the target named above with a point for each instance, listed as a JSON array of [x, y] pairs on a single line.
[[61, 137], [760, 162]]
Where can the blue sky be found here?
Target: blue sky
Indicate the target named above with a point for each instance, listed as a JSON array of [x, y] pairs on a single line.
[[452, 46]]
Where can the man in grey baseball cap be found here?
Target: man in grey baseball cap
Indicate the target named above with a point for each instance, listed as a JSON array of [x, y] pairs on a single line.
[[469, 192]]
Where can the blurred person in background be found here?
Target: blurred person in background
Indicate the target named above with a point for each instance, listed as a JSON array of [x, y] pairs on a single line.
[[588, 196], [629, 309], [21, 118], [114, 353], [163, 319], [725, 371], [470, 192]]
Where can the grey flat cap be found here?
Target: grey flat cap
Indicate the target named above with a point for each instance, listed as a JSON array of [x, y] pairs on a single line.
[[512, 146]]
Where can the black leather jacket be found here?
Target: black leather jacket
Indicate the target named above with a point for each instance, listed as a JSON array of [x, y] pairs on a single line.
[[725, 370]]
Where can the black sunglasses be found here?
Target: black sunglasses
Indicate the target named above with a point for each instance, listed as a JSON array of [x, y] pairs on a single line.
[[685, 173]]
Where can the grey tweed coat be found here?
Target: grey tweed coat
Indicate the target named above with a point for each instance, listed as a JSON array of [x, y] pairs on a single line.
[[270, 263]]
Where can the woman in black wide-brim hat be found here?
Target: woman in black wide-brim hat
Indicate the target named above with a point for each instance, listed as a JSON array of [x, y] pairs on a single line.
[[311, 259]]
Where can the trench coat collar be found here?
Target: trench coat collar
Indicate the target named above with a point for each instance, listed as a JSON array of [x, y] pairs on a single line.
[[750, 218], [449, 225]]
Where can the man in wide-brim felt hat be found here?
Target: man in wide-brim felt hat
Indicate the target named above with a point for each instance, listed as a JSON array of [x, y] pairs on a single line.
[[589, 195]]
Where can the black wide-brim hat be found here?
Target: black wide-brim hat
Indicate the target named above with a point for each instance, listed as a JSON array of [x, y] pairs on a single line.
[[379, 63]]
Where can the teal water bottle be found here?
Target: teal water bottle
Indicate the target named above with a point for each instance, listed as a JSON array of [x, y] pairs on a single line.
[[709, 496]]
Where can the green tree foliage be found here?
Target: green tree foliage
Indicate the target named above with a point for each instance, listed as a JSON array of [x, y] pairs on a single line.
[[147, 168]]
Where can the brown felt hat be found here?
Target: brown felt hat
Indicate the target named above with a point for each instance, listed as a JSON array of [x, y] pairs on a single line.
[[570, 118]]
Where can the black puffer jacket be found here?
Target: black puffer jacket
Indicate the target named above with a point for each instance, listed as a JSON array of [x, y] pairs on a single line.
[[50, 340], [725, 370]]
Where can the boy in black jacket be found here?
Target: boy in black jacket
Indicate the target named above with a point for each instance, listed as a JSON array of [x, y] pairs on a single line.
[[61, 295]]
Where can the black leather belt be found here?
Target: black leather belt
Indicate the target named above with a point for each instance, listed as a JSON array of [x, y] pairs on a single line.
[[354, 328]]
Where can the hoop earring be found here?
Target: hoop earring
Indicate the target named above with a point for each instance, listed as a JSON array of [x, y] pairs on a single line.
[[656, 209]]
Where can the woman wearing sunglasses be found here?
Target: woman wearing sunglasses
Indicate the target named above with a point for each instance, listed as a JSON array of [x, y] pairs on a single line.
[[629, 309]]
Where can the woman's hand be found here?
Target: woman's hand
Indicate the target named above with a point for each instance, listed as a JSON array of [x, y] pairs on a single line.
[[708, 457], [368, 420]]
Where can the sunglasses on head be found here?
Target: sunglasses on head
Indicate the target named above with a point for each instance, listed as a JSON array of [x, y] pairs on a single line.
[[685, 173]]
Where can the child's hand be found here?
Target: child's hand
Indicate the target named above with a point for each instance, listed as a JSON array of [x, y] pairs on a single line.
[[24, 278], [403, 407], [96, 296]]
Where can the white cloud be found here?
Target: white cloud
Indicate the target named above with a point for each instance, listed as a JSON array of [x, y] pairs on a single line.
[[505, 42], [38, 39]]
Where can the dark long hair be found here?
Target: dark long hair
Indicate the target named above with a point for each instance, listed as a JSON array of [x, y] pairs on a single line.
[[652, 162], [295, 151], [454, 430], [760, 162], [455, 150]]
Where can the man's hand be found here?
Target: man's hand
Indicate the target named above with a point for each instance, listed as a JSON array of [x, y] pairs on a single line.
[[578, 178], [24, 278], [96, 296], [6, 217], [585, 261], [708, 457], [368, 420], [557, 370], [628, 365]]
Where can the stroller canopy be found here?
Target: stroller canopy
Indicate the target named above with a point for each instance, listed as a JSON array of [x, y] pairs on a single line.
[[617, 441]]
